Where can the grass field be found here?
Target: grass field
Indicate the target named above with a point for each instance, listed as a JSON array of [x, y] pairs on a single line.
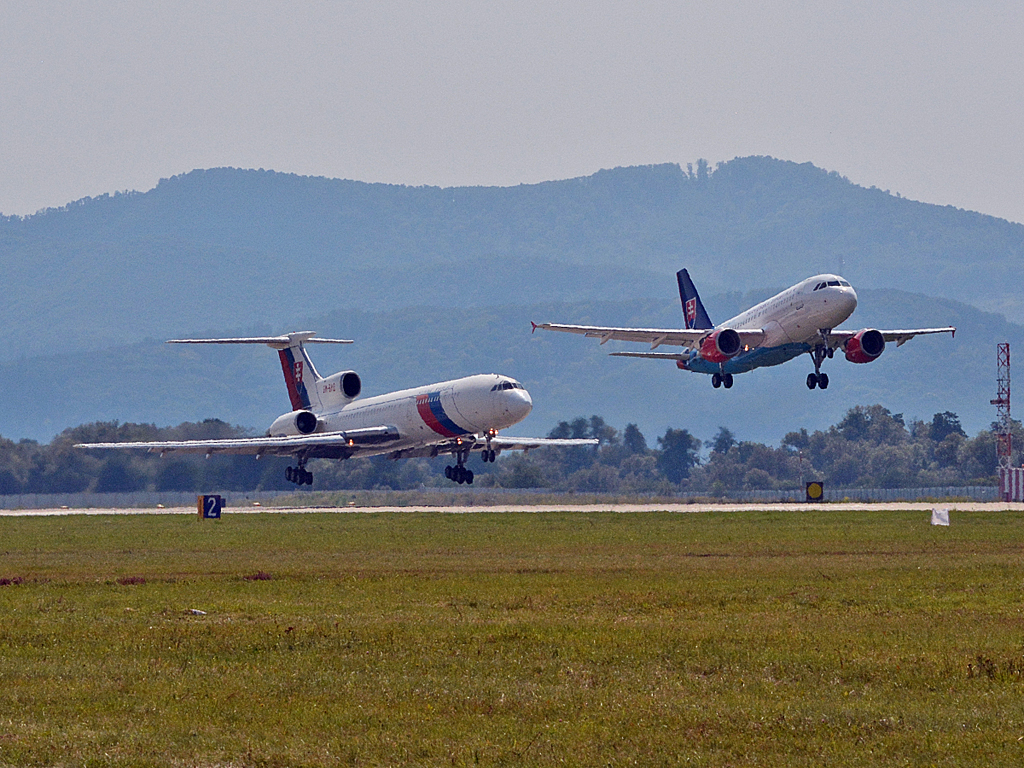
[[795, 638]]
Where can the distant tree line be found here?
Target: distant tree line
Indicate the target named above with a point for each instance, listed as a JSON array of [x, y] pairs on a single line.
[[869, 448]]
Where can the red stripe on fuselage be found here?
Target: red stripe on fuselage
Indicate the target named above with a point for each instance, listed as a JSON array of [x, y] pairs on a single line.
[[423, 406]]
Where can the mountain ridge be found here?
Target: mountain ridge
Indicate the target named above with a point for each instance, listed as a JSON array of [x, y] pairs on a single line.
[[215, 247]]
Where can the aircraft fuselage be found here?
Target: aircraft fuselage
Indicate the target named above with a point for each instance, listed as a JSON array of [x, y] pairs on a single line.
[[424, 415], [791, 321]]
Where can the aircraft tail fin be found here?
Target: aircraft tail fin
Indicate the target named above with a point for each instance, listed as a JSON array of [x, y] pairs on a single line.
[[298, 369], [694, 314]]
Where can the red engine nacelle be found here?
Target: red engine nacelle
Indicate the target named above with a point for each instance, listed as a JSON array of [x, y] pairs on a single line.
[[720, 346], [865, 346]]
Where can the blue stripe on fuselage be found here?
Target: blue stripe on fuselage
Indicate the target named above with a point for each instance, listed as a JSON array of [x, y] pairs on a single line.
[[748, 361], [434, 402]]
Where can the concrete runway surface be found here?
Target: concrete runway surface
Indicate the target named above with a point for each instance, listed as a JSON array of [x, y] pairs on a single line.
[[895, 506]]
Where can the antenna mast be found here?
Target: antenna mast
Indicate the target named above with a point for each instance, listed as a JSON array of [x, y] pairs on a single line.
[[1004, 435]]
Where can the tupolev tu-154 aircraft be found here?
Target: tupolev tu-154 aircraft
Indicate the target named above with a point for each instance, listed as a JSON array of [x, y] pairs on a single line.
[[801, 319], [328, 421]]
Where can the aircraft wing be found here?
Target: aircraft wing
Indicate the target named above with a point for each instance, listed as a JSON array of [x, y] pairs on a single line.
[[338, 445], [679, 337], [527, 443], [318, 445], [479, 443], [677, 356], [901, 337]]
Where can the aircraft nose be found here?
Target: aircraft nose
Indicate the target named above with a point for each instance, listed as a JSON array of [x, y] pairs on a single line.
[[522, 403], [850, 298], [518, 404]]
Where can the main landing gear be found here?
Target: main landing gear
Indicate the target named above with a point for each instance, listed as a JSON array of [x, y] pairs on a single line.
[[721, 379], [818, 355], [299, 475], [459, 474]]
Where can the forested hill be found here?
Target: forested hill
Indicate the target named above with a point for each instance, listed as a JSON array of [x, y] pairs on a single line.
[[223, 248]]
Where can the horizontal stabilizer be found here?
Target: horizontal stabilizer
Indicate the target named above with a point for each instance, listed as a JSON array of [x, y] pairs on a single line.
[[277, 342]]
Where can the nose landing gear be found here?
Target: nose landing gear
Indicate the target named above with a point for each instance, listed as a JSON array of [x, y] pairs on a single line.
[[818, 379]]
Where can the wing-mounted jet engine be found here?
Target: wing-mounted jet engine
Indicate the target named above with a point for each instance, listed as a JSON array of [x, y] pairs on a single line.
[[720, 346], [864, 346]]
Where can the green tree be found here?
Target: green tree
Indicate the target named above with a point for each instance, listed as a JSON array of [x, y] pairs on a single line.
[[944, 424], [633, 440], [679, 453], [722, 442]]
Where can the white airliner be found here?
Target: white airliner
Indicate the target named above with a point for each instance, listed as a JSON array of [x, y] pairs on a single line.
[[801, 319], [327, 421]]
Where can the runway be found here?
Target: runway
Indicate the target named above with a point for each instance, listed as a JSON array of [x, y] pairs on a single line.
[[896, 506]]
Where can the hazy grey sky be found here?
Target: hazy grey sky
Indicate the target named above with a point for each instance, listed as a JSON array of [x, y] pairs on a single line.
[[921, 98]]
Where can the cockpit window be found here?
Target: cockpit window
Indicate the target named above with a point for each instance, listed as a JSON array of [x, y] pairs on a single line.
[[507, 385], [834, 283], [845, 284]]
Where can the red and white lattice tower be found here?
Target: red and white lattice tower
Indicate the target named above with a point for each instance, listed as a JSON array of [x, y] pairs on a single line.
[[1011, 481], [1004, 438]]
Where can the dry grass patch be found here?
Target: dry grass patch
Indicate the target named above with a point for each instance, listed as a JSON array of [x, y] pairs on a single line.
[[715, 639]]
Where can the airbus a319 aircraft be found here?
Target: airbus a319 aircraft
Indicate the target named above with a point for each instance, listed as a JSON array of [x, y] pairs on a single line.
[[802, 319], [327, 421]]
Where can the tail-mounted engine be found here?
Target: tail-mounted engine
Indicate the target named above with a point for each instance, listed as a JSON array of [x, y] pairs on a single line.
[[720, 345], [865, 346], [339, 388], [294, 423]]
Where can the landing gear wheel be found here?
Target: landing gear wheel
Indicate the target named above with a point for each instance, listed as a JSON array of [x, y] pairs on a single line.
[[818, 355], [458, 474], [716, 380], [298, 475], [727, 380]]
